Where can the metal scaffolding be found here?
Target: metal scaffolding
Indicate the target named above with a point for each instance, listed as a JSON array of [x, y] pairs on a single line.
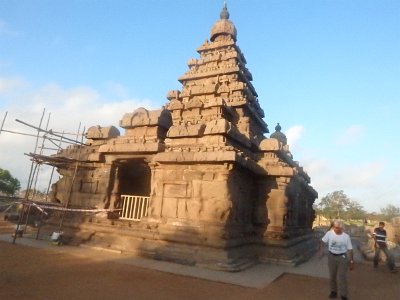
[[43, 136]]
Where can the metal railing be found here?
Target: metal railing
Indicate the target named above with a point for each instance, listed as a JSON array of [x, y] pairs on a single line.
[[134, 207]]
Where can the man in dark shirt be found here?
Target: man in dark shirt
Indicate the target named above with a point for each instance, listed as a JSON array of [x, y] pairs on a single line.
[[380, 244]]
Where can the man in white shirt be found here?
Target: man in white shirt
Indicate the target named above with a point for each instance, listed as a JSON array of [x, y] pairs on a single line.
[[340, 255]]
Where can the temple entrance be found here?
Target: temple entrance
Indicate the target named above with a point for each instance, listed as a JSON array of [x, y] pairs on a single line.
[[134, 185], [134, 178]]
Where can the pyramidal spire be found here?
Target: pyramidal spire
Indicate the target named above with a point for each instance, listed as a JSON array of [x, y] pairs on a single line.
[[224, 13]]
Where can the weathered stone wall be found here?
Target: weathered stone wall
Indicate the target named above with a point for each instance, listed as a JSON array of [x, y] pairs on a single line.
[[88, 188], [210, 196], [198, 192]]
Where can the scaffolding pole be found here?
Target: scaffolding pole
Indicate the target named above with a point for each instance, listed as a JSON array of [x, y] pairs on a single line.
[[47, 194], [35, 166], [22, 214], [71, 187], [36, 174], [2, 123], [51, 132], [31, 170]]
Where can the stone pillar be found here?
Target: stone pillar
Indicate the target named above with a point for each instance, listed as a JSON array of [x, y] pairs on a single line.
[[277, 213], [115, 195]]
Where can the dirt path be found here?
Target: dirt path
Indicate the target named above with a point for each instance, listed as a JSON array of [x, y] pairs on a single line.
[[32, 273]]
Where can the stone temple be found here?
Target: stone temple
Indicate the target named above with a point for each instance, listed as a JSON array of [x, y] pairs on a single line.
[[197, 181]]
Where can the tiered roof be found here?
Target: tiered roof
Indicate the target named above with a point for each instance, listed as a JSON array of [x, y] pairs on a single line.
[[217, 96]]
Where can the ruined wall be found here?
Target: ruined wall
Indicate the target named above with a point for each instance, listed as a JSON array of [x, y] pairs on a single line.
[[88, 188]]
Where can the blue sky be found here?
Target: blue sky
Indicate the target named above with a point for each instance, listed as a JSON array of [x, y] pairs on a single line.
[[327, 70]]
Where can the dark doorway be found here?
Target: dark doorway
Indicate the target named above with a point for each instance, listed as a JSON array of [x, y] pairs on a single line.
[[134, 178]]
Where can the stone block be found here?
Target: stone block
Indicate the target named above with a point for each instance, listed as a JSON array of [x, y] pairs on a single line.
[[270, 145], [178, 190], [169, 207], [98, 132]]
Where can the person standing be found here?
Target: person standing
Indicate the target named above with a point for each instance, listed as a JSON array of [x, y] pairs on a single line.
[[380, 244], [339, 257]]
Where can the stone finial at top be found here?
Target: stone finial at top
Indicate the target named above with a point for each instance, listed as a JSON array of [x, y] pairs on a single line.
[[279, 135], [223, 27], [224, 13]]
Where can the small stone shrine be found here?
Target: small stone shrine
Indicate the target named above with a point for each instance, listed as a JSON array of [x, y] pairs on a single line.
[[196, 182]]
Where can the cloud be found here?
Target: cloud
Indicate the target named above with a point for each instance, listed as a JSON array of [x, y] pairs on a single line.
[[335, 176], [350, 135], [65, 110], [373, 183], [117, 89], [10, 84], [293, 135]]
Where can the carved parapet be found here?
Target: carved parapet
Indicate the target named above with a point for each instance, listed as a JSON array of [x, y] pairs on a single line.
[[277, 170], [215, 101], [203, 143], [79, 153], [98, 132], [220, 126], [215, 45], [192, 62], [173, 94], [194, 103], [175, 105], [203, 89], [143, 117], [212, 156], [273, 145], [142, 135], [186, 130], [223, 89], [132, 147], [145, 132], [270, 145], [277, 158], [212, 113], [237, 86], [209, 73]]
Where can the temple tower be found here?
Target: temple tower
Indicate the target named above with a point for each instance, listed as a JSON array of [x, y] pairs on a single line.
[[212, 189], [214, 185], [217, 96]]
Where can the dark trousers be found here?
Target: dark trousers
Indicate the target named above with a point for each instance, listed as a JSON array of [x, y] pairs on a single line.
[[338, 265], [389, 257]]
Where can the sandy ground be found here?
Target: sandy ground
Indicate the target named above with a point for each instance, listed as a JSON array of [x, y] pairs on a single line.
[[35, 273]]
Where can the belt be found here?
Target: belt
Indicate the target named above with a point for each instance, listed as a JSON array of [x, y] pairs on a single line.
[[337, 254]]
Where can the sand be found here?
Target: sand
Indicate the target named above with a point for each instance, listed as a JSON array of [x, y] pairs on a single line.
[[42, 273]]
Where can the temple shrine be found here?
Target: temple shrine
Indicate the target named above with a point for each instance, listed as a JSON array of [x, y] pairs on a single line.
[[196, 182]]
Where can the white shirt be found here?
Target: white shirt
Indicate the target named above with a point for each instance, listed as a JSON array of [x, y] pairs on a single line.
[[337, 243]]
